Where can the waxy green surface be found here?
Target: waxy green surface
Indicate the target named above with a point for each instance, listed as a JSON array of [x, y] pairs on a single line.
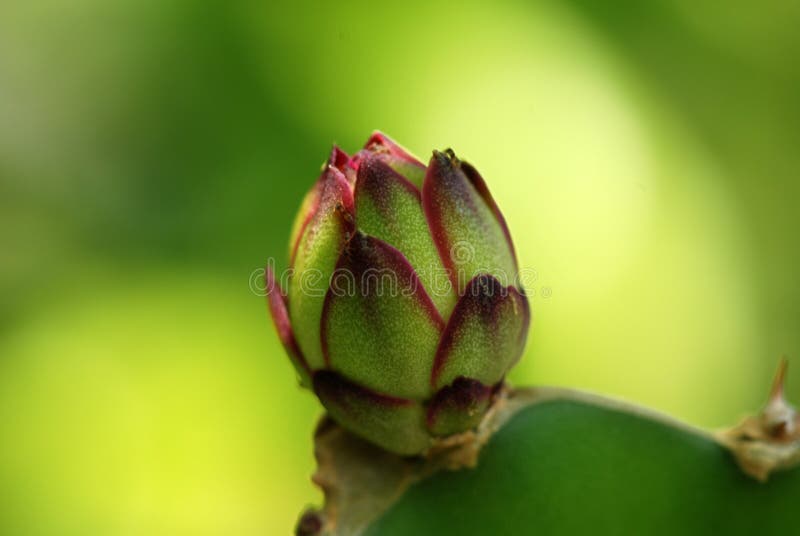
[[568, 467]]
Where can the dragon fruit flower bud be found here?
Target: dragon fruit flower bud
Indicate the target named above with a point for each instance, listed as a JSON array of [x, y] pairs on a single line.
[[402, 311]]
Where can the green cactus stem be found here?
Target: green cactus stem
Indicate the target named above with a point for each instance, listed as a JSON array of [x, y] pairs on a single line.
[[558, 461]]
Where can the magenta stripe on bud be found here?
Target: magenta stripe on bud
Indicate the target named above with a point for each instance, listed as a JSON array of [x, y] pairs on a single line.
[[280, 316], [335, 388]]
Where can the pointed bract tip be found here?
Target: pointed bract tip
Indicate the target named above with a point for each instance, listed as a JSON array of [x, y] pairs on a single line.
[[378, 140], [337, 159], [776, 392], [336, 192], [377, 137], [779, 418], [446, 159]]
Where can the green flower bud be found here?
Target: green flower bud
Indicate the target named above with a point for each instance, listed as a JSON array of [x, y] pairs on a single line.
[[403, 310]]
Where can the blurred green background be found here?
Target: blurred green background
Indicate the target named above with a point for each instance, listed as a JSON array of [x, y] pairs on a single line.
[[152, 155]]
